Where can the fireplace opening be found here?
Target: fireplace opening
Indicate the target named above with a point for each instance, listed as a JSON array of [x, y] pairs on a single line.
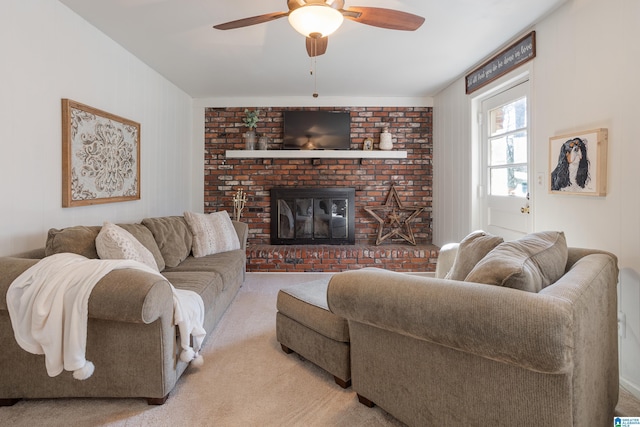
[[312, 216]]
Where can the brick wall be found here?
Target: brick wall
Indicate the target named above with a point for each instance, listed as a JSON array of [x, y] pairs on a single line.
[[411, 128]]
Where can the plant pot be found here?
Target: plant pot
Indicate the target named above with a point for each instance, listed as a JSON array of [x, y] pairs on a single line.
[[250, 140]]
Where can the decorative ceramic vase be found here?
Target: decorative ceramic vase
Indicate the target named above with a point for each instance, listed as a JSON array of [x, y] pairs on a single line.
[[386, 142], [250, 140]]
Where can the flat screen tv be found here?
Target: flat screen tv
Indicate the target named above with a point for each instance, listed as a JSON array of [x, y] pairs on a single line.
[[317, 130]]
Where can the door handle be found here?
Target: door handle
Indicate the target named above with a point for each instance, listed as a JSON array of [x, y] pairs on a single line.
[[525, 209]]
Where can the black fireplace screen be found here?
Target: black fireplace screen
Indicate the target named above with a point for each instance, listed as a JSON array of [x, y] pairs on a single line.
[[312, 216]]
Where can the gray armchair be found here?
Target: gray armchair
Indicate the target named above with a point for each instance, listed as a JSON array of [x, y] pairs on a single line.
[[432, 351]]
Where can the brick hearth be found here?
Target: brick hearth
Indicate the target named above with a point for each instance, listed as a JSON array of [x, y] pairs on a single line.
[[336, 258]]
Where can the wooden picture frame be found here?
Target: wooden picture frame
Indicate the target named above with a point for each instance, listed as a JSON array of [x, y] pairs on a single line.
[[100, 156], [367, 145], [578, 163]]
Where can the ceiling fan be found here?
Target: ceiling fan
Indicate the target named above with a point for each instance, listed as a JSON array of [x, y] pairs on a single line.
[[317, 19]]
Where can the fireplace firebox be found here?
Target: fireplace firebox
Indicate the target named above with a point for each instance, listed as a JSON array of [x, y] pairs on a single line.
[[303, 216]]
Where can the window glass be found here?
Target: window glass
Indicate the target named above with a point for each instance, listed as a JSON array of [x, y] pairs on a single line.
[[507, 159]]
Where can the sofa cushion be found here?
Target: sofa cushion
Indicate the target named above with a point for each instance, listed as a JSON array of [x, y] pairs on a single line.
[[471, 250], [79, 240], [212, 233], [530, 263], [144, 236], [114, 242], [225, 264], [173, 237], [206, 284]]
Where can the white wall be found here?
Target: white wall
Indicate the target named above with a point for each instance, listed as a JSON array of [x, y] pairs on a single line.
[[49, 53], [583, 77], [452, 180]]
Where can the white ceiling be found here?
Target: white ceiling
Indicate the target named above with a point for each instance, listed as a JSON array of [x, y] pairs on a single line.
[[176, 38]]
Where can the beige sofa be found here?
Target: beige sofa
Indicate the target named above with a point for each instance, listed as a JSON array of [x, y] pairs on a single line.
[[433, 351], [131, 338]]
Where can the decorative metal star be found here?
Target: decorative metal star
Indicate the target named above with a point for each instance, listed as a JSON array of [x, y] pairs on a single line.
[[396, 217]]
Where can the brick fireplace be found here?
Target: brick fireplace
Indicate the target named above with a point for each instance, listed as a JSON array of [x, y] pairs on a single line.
[[371, 180]]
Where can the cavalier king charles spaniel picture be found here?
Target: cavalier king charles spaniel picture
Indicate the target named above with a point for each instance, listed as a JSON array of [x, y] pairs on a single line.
[[572, 171]]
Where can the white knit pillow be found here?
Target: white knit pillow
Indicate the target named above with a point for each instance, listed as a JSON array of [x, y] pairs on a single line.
[[212, 233], [115, 242]]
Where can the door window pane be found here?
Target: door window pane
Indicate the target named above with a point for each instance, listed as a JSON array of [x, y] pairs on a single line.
[[507, 149], [509, 181], [508, 117]]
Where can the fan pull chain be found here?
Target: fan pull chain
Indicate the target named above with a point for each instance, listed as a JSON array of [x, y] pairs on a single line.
[[315, 77], [314, 64]]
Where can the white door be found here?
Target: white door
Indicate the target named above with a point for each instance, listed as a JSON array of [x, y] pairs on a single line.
[[504, 127]]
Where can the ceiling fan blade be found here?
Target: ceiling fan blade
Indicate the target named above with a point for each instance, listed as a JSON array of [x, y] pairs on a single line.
[[317, 46], [251, 21], [384, 18]]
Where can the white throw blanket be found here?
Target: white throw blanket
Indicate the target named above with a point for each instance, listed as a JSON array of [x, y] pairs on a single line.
[[48, 306]]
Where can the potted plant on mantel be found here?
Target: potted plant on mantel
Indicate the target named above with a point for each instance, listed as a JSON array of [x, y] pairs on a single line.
[[250, 120]]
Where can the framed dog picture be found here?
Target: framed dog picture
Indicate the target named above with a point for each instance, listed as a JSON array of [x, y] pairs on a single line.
[[578, 163]]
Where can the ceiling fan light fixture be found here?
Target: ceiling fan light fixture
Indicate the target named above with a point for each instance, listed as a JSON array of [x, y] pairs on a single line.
[[315, 18]]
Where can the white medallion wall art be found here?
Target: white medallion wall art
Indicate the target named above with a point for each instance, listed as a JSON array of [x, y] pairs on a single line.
[[100, 156]]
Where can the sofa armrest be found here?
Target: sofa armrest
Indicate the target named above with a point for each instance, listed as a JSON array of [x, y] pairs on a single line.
[[125, 295], [38, 253], [242, 229], [446, 258], [10, 269], [130, 295], [529, 330]]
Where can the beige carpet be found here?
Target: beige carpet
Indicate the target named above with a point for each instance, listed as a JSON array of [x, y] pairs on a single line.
[[246, 381]]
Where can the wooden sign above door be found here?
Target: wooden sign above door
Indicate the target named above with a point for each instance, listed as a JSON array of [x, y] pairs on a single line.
[[508, 59]]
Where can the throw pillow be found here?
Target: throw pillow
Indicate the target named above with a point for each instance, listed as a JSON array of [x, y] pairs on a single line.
[[530, 264], [144, 236], [115, 242], [212, 233], [173, 237], [78, 239], [471, 250]]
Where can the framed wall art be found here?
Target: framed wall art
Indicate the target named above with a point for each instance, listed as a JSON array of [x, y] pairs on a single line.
[[578, 163], [100, 156]]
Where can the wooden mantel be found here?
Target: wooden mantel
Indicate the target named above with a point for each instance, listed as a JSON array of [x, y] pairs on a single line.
[[315, 154]]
